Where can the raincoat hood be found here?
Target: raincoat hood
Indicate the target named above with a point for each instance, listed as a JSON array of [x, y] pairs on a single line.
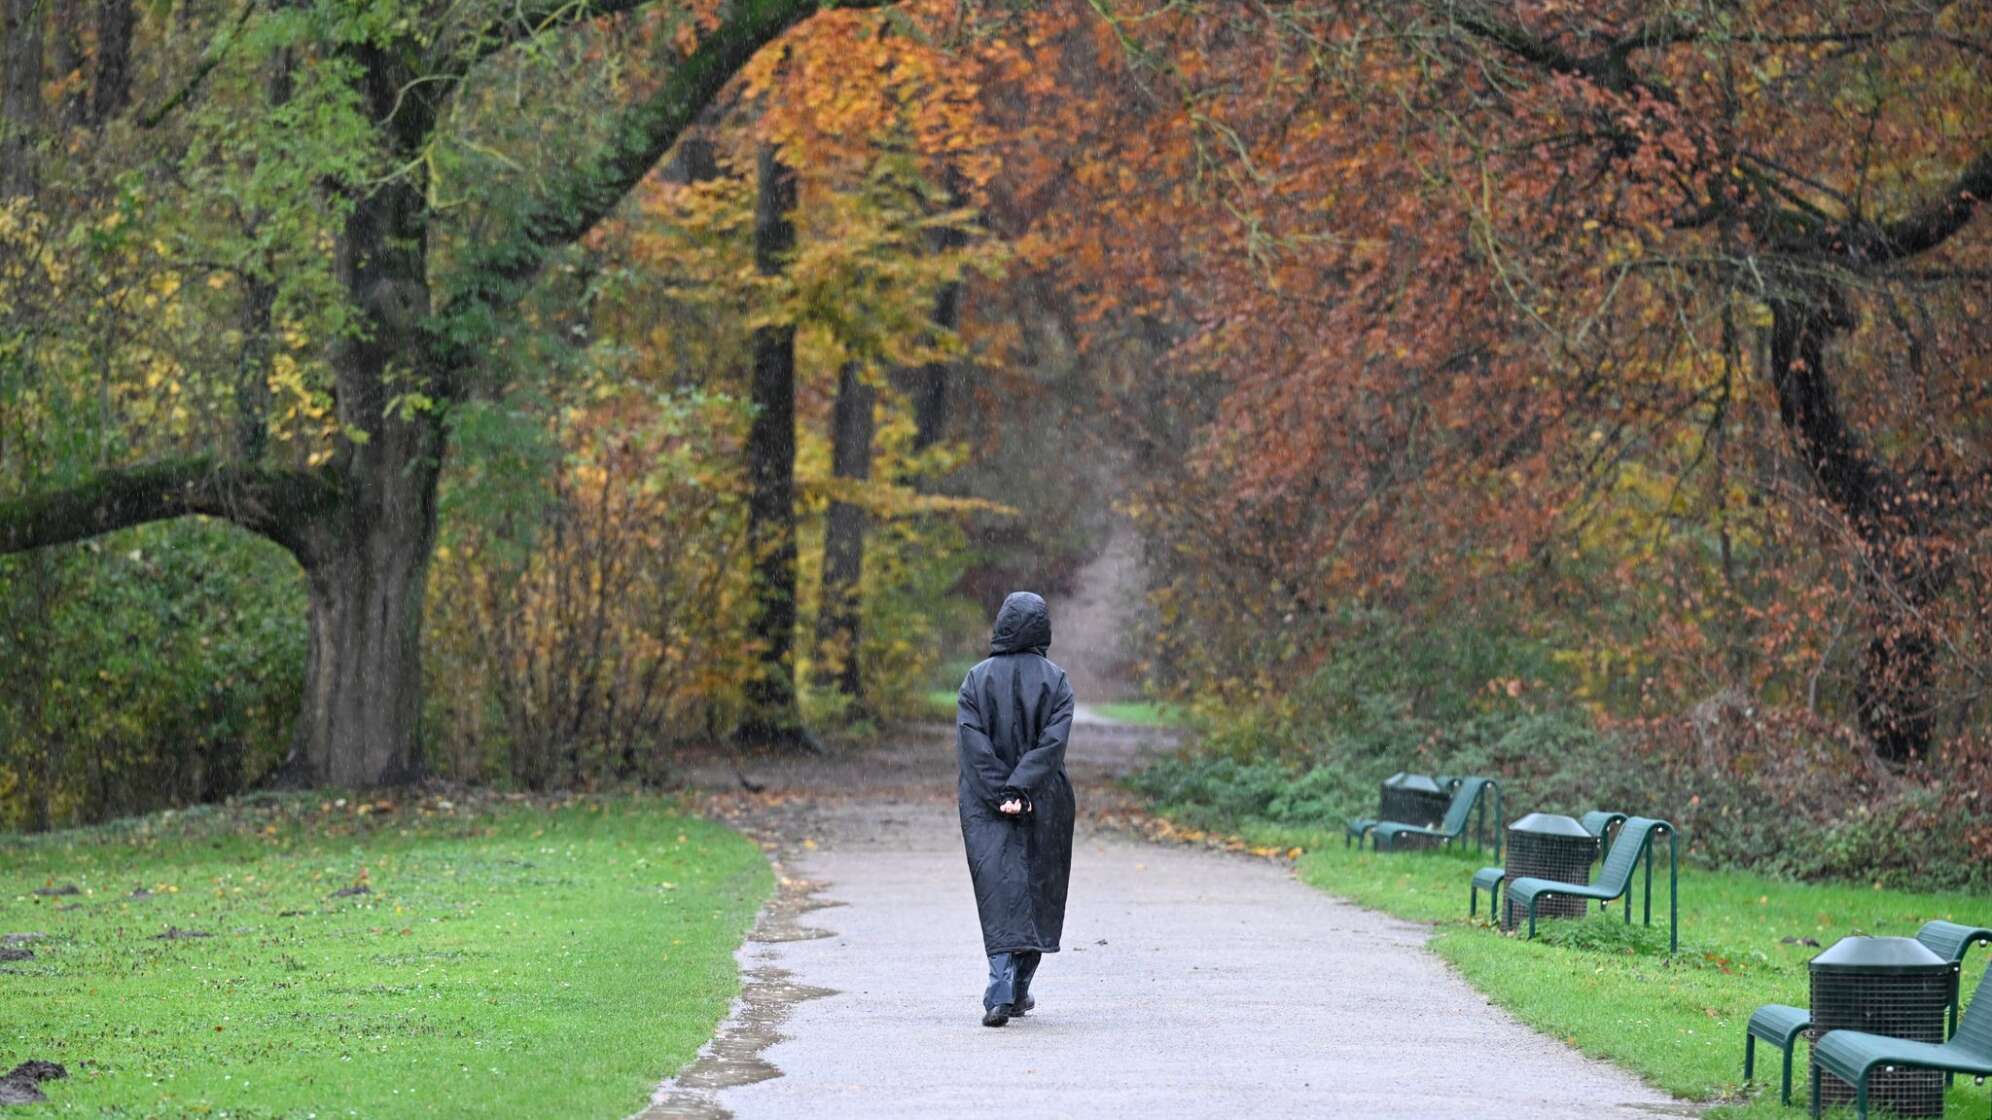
[[1022, 626]]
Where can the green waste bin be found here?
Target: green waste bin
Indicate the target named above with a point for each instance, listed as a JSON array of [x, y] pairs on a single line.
[[1548, 846]]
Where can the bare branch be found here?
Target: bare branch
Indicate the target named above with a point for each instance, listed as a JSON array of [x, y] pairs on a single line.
[[528, 19]]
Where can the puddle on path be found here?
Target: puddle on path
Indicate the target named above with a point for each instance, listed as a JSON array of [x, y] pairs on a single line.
[[767, 996], [787, 930]]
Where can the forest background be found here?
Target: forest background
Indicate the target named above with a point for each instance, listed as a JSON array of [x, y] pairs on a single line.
[[1591, 395]]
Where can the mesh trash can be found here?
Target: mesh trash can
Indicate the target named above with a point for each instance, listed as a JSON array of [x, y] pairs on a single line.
[[1387, 799], [1547, 846], [1413, 799], [1883, 985]]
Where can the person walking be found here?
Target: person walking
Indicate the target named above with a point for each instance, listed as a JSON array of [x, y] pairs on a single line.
[[1012, 718]]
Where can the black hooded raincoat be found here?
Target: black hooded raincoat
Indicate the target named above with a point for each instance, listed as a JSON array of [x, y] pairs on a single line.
[[1012, 719]]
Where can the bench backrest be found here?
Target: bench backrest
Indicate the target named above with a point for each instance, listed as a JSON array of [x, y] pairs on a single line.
[[1597, 822], [1462, 805], [1949, 940], [1633, 837], [1974, 1031]]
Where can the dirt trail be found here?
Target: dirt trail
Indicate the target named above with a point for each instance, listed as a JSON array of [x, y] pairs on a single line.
[[1092, 625], [1193, 983]]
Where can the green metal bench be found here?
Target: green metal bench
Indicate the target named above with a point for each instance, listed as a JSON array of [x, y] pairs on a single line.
[[1780, 1025], [1852, 1056], [1472, 794], [1615, 879], [1597, 822], [1359, 827], [1486, 879], [1951, 941]]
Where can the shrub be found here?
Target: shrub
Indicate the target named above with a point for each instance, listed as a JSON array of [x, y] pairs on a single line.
[[148, 668], [1774, 791], [578, 605]]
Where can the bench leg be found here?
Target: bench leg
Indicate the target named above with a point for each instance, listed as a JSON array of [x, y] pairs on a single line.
[[1749, 1056], [1860, 1096], [1649, 885], [1815, 1089], [1785, 1096], [1472, 899]]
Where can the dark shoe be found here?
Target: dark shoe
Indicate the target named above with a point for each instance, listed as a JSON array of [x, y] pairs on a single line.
[[997, 1015], [1023, 1005]]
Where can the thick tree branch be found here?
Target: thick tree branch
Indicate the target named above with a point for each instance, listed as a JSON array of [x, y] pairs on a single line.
[[1858, 242], [495, 277], [1515, 39], [1862, 243], [1934, 224], [211, 59], [1610, 68], [275, 503]]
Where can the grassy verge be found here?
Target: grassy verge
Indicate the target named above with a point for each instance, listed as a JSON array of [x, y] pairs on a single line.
[[939, 704], [1141, 713], [502, 960], [1613, 993]]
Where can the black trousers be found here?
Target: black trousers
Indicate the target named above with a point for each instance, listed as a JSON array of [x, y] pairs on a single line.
[[1010, 977]]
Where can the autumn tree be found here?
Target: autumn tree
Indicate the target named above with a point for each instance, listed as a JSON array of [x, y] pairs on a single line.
[[421, 293], [1807, 172], [877, 276], [1664, 316]]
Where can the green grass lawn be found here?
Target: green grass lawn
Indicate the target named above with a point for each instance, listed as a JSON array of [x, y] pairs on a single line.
[[939, 704], [1141, 713], [1612, 994], [503, 961]]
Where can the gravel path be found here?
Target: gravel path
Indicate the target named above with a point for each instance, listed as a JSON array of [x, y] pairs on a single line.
[[1193, 983]]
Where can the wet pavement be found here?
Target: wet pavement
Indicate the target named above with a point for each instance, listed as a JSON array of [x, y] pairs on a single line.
[[1193, 983]]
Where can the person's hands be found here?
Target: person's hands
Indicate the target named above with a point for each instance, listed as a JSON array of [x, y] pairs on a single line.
[[1012, 806]]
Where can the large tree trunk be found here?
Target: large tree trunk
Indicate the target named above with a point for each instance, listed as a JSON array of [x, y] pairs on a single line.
[[111, 92], [839, 619], [1903, 567], [363, 673], [21, 97], [367, 563], [932, 384], [773, 715], [67, 60]]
